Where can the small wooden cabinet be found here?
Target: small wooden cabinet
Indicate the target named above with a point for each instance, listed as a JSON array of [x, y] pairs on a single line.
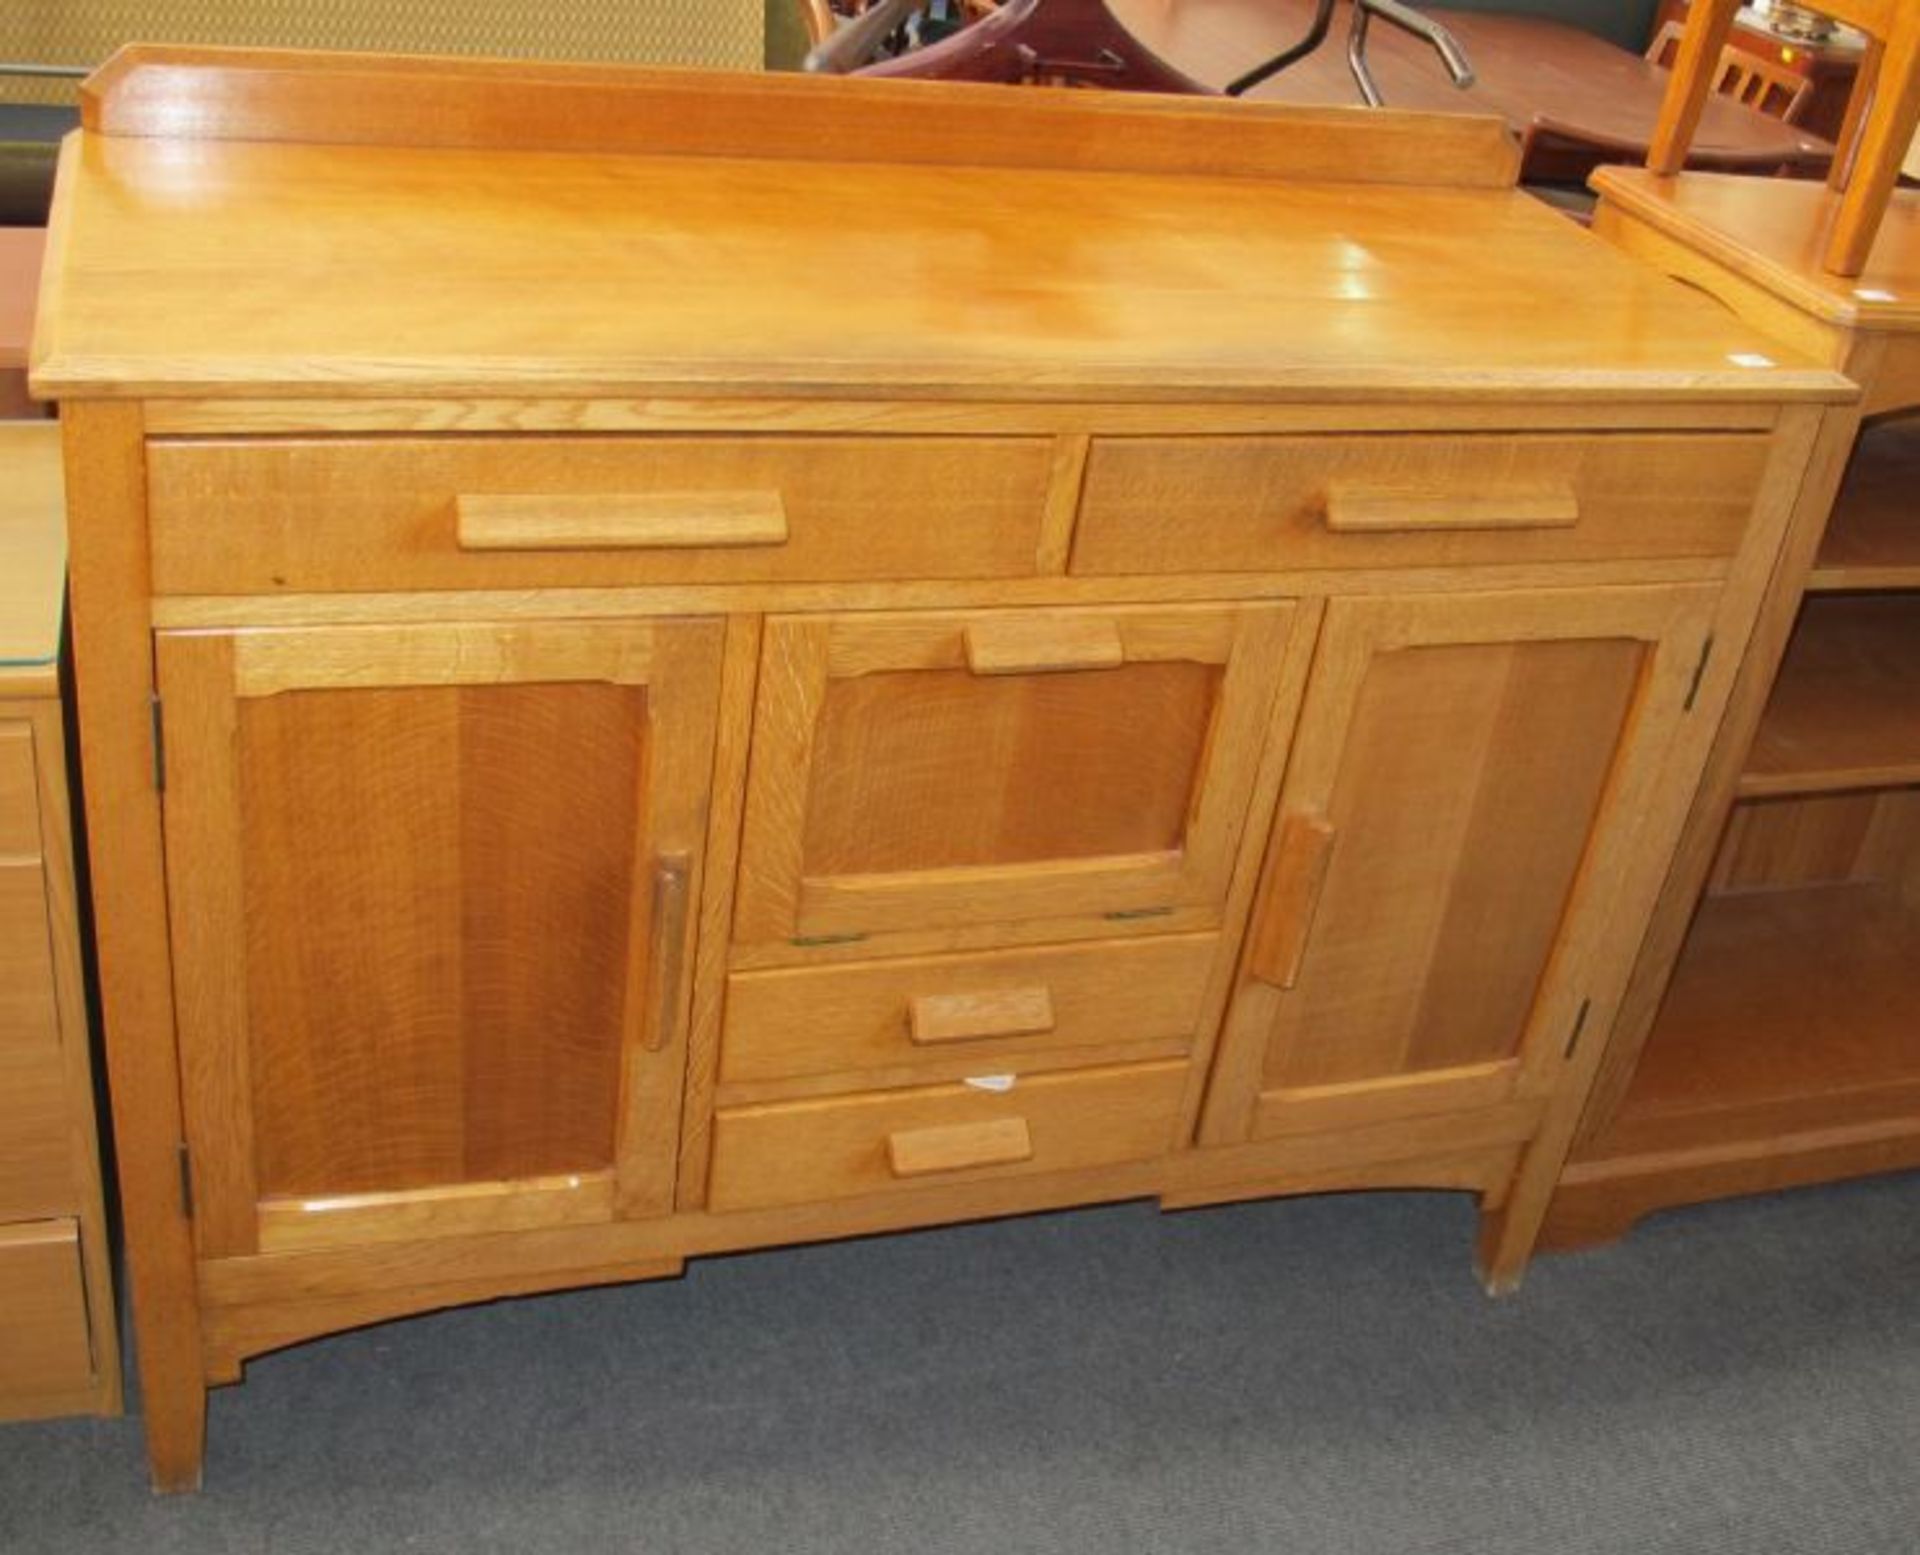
[[1186, 686], [59, 1347]]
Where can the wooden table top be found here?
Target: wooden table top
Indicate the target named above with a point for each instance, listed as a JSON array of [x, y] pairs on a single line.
[[1774, 232], [33, 558], [243, 268], [1530, 70]]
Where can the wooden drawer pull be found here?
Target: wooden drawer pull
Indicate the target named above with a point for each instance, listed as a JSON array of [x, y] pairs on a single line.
[[1027, 645], [1301, 857], [658, 520], [965, 1017], [1357, 509], [671, 876], [958, 1147]]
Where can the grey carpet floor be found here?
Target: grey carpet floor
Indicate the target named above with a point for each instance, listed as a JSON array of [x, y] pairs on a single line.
[[1313, 1375]]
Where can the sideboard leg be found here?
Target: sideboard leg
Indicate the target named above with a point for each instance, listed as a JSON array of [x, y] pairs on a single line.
[[176, 1420]]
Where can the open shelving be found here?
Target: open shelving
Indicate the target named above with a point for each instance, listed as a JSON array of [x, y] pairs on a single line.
[[1872, 540]]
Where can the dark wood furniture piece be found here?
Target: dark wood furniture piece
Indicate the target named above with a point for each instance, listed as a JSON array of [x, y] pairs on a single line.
[[1575, 100], [1828, 69]]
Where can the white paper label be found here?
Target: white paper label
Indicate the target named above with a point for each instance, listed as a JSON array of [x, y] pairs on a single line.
[[1750, 359], [1874, 294], [991, 1082]]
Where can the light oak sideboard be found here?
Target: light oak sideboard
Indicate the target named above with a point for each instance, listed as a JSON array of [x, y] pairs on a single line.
[[678, 663]]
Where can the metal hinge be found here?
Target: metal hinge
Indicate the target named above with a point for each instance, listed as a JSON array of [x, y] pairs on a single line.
[[186, 1181], [158, 717], [1579, 1025], [1699, 674]]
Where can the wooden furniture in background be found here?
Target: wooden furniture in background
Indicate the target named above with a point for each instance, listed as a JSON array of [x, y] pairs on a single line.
[[1772, 1033], [59, 1351], [677, 764], [1828, 69], [1760, 81], [21, 252], [1883, 113], [1574, 100]]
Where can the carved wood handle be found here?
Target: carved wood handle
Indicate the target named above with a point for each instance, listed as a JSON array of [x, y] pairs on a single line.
[[959, 1147], [966, 1017], [1034, 644], [1301, 857], [671, 875], [594, 521], [1354, 507]]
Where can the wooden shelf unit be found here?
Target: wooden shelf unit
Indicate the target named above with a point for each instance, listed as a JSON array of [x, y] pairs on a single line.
[[1873, 539], [1845, 710], [1771, 1035]]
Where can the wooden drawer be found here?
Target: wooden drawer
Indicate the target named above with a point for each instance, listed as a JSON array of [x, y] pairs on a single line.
[[19, 800], [45, 1355], [36, 1153], [845, 1146], [923, 1012], [1257, 504], [261, 516]]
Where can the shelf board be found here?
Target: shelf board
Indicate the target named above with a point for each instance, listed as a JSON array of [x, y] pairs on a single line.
[[1873, 538], [1845, 711], [1791, 1011]]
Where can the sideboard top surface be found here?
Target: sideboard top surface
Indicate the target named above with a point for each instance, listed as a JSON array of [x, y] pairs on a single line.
[[238, 263]]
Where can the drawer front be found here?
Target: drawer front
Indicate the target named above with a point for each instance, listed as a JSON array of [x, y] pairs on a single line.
[[849, 1146], [44, 1349], [36, 1160], [310, 515], [922, 1012], [1257, 504], [19, 800]]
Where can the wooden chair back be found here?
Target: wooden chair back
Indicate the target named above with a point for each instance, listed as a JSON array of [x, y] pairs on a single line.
[[1752, 79], [1883, 113]]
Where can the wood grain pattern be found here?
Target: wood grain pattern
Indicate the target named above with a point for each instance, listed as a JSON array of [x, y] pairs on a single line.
[[659, 520], [33, 538], [113, 666], [1872, 540], [895, 790], [330, 514], [602, 306], [838, 1147], [849, 1020], [45, 1352], [1260, 504], [263, 94], [958, 1147]]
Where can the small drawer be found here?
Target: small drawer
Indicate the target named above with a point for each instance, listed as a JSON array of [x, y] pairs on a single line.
[[313, 515], [937, 1012], [848, 1146], [1265, 504], [19, 797], [45, 1353]]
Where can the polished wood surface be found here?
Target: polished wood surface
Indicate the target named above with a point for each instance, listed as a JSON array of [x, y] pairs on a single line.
[[1313, 289], [820, 867], [1548, 80]]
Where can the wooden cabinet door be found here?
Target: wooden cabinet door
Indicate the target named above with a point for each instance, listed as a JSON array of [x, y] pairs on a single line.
[[944, 771], [1468, 775], [430, 894]]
